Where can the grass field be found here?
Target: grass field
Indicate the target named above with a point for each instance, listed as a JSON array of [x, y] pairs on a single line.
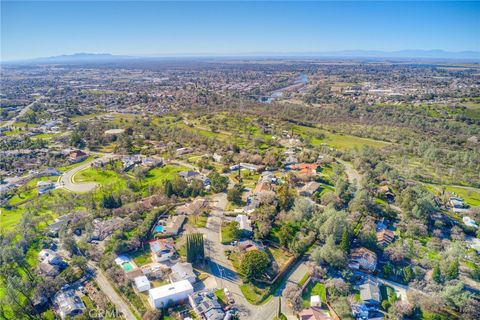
[[10, 218], [159, 175], [103, 177], [28, 191], [471, 196], [336, 140]]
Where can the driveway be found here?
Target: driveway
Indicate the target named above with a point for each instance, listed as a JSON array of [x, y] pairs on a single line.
[[112, 295], [353, 176], [226, 276]]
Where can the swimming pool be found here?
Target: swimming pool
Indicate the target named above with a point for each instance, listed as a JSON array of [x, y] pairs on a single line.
[[159, 229], [127, 266]]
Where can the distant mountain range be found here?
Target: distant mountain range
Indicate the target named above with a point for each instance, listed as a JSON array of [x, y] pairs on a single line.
[[403, 54]]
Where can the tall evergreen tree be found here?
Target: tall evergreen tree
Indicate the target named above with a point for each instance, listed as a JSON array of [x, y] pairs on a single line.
[[195, 248], [345, 242], [436, 274]]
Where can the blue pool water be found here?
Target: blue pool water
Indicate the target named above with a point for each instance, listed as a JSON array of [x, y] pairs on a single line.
[[159, 229]]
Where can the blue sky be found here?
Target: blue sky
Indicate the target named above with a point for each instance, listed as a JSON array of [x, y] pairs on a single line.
[[39, 29]]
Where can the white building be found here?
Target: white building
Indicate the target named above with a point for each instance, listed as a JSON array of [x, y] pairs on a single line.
[[171, 293], [183, 271], [142, 283], [244, 223]]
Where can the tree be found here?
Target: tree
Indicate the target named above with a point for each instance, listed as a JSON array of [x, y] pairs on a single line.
[[195, 248], [168, 188], [235, 194], [285, 197], [436, 274], [407, 274], [345, 242], [230, 232], [330, 254], [453, 270], [218, 182], [293, 294], [254, 264]]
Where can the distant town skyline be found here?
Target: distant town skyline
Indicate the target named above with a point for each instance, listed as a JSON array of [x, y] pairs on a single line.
[[42, 29]]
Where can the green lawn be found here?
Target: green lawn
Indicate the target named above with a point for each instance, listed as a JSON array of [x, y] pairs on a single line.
[[103, 177], [198, 221], [339, 141], [471, 196], [314, 289], [141, 257], [157, 176], [221, 296], [255, 294]]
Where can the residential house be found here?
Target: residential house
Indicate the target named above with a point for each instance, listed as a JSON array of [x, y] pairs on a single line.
[[150, 162], [309, 189], [188, 175], [183, 271], [183, 151], [63, 221], [141, 283], [48, 269], [192, 208], [268, 177], [244, 223], [51, 257], [77, 156], [176, 292], [246, 166], [370, 292], [172, 226], [290, 157], [249, 245], [386, 193], [469, 222], [315, 301], [313, 313], [307, 169], [206, 305], [363, 259], [162, 249], [217, 158], [385, 237], [49, 172], [262, 186], [104, 228], [67, 304], [129, 162], [44, 186], [457, 203]]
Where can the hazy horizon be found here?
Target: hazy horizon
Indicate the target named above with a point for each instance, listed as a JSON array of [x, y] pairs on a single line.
[[42, 29]]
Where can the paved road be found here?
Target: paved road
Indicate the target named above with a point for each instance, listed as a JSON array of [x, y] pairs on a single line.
[[20, 114], [353, 176], [112, 295], [226, 277], [221, 267], [66, 179]]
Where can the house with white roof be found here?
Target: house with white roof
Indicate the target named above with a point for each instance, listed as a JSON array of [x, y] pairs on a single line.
[[183, 271], [244, 223], [141, 283], [161, 297]]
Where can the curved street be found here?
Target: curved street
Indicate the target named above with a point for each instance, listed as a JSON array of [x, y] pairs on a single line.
[[67, 181]]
